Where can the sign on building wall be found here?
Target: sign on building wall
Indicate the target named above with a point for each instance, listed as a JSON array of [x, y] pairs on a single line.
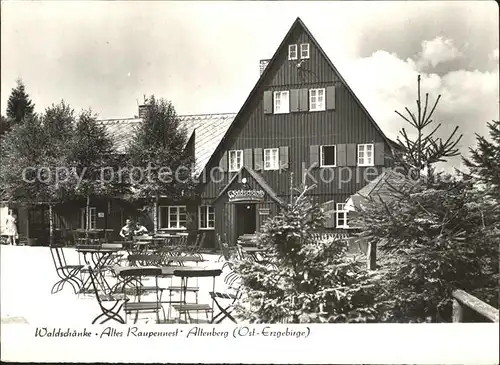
[[245, 195], [264, 211]]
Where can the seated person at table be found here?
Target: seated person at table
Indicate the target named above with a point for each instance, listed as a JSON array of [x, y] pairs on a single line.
[[127, 230], [140, 230]]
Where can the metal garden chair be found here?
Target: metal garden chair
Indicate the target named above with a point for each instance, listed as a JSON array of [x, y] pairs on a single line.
[[66, 273], [104, 296]]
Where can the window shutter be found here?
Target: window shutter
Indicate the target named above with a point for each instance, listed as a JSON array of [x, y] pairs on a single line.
[[379, 158], [351, 155], [330, 219], [303, 100], [330, 97], [341, 155], [223, 162], [268, 102], [247, 157], [258, 159], [294, 100], [314, 156], [284, 157]]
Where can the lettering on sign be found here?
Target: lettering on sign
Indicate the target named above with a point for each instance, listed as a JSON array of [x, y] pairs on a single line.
[[100, 215], [264, 211], [245, 195]]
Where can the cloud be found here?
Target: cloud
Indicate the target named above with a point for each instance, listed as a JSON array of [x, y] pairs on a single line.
[[437, 51], [385, 83], [493, 56]]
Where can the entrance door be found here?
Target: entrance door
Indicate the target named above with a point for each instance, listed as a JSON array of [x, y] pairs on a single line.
[[246, 219], [38, 220]]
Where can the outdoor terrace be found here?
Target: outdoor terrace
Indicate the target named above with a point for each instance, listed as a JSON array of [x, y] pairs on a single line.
[[28, 274]]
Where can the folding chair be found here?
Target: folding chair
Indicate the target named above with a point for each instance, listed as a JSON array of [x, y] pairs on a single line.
[[135, 275], [227, 309], [186, 308], [227, 253], [118, 301], [66, 273]]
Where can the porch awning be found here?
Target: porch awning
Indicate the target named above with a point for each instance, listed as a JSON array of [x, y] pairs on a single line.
[[258, 179]]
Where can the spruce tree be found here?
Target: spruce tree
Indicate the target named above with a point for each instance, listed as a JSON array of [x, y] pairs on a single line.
[[435, 234], [300, 279], [422, 152], [484, 160], [4, 125], [19, 105]]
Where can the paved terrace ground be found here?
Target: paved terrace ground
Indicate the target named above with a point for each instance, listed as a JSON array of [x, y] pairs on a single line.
[[27, 276]]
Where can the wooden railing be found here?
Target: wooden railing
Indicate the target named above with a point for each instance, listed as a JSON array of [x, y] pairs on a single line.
[[465, 304]]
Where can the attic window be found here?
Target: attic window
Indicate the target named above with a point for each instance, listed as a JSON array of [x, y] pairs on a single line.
[[292, 52], [304, 50]]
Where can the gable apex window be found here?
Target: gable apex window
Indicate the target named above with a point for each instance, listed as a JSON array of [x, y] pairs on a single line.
[[271, 159], [365, 154], [341, 216], [328, 156], [235, 160], [316, 100], [292, 52], [281, 102], [304, 51]]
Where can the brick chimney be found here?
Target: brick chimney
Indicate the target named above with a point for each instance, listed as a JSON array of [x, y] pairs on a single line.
[[263, 65], [142, 110]]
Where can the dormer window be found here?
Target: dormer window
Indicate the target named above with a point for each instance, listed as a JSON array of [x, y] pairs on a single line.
[[304, 51], [292, 52]]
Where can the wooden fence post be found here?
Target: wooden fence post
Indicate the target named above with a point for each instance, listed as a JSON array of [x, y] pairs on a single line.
[[458, 312], [371, 256]]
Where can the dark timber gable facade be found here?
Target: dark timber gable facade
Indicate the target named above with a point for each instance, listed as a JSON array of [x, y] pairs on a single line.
[[300, 123]]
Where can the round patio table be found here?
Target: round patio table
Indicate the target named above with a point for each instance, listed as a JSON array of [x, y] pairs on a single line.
[[100, 258]]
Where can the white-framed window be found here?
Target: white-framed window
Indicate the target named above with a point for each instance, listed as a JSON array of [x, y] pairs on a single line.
[[271, 159], [206, 217], [235, 160], [304, 50], [328, 156], [93, 218], [292, 52], [341, 216], [281, 102], [316, 99], [365, 154], [173, 217]]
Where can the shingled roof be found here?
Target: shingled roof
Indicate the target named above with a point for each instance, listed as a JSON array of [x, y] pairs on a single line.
[[381, 188], [208, 128]]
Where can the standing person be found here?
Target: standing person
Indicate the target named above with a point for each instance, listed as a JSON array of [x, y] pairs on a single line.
[[11, 227], [127, 230]]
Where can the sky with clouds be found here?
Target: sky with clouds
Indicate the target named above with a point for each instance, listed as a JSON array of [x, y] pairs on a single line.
[[204, 56]]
